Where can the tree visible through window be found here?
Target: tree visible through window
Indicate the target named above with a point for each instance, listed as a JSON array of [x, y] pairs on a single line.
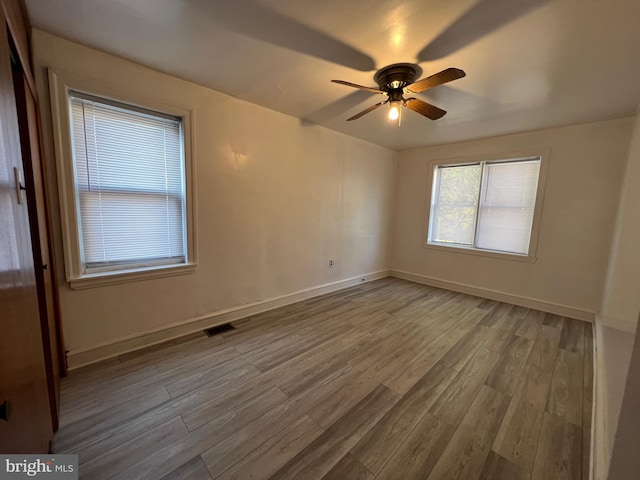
[[455, 206], [485, 205]]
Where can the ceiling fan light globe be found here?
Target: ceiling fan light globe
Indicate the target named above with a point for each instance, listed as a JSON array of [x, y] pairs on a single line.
[[394, 112]]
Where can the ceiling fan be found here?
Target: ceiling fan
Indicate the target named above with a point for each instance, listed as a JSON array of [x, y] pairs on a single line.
[[398, 80]]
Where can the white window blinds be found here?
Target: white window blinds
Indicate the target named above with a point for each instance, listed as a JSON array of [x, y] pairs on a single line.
[[486, 206], [506, 206], [129, 173]]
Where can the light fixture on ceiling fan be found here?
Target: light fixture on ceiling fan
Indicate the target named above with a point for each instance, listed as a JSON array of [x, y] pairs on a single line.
[[399, 79]]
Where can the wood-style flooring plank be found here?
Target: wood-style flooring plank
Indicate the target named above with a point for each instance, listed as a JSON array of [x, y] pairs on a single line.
[[296, 374], [508, 370], [225, 393], [487, 304], [77, 394], [319, 457], [519, 312], [559, 452], [572, 337], [499, 468], [467, 451], [262, 462], [419, 453], [175, 353], [406, 377], [501, 334], [176, 366], [293, 347], [198, 377], [195, 443], [69, 436], [566, 392], [390, 345], [459, 355], [517, 439], [348, 468], [194, 469], [458, 316], [244, 440], [377, 446], [197, 414], [545, 348], [531, 324], [129, 453], [551, 320], [333, 407], [228, 452], [494, 315], [456, 399], [294, 385]]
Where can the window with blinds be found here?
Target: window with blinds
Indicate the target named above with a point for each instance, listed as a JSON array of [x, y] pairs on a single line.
[[129, 185], [485, 205]]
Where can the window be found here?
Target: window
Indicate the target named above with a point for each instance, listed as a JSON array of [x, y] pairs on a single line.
[[486, 205], [124, 189]]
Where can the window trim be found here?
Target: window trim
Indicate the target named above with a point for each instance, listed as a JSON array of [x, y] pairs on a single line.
[[60, 84], [543, 153]]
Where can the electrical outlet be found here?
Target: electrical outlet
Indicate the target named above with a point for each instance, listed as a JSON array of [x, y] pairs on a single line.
[[330, 263]]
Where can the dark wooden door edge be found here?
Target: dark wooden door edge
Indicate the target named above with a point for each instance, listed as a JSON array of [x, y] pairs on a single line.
[[36, 241]]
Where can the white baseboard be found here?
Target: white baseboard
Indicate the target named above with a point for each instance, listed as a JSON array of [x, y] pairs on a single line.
[[80, 358], [597, 461], [527, 302]]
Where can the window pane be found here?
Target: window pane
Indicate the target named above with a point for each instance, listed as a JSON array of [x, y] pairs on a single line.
[[507, 205], [454, 204], [130, 185]]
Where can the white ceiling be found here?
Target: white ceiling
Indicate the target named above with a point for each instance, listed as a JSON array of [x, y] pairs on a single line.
[[530, 64]]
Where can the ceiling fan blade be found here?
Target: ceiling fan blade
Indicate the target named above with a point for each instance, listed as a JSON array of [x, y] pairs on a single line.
[[354, 85], [439, 78], [424, 108], [364, 112]]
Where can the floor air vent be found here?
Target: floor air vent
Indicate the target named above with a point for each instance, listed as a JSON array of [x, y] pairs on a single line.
[[225, 327]]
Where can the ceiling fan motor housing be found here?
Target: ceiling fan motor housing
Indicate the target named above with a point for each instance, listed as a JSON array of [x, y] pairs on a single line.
[[397, 76]]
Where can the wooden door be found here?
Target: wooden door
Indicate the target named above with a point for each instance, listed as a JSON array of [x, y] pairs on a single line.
[[39, 222], [23, 376]]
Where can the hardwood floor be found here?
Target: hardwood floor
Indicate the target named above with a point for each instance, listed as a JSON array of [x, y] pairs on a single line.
[[387, 380]]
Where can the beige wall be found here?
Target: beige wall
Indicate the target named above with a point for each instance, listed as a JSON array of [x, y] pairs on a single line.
[[276, 199], [621, 302], [615, 331], [585, 172]]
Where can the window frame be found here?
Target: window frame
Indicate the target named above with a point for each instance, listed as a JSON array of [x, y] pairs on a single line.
[[60, 85], [531, 256]]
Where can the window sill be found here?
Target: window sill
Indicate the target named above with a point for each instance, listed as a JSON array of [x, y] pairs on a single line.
[[125, 276], [482, 253]]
